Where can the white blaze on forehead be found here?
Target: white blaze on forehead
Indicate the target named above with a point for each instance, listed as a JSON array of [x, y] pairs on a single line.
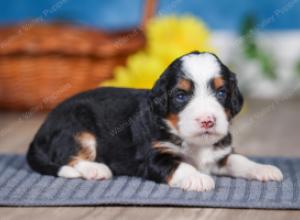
[[201, 68]]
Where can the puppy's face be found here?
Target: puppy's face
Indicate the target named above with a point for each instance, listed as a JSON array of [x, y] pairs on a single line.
[[198, 96]]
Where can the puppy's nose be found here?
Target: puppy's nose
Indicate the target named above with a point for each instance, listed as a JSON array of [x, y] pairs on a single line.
[[206, 121]]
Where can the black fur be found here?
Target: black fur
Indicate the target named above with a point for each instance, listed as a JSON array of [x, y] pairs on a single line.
[[127, 150], [234, 100], [224, 142]]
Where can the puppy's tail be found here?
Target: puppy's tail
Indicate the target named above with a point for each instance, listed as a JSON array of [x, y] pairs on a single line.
[[40, 162]]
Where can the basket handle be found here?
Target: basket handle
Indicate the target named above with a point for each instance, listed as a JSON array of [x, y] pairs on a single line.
[[149, 12]]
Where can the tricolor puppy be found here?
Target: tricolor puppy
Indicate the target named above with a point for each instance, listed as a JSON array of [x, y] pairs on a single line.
[[176, 133]]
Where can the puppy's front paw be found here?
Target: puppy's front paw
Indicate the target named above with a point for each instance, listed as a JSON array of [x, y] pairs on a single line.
[[198, 182], [265, 173], [188, 178]]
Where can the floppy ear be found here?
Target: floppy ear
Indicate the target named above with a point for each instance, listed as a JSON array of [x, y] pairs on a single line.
[[159, 94], [236, 98]]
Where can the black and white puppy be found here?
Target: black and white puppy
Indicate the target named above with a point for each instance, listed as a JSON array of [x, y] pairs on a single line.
[[176, 133]]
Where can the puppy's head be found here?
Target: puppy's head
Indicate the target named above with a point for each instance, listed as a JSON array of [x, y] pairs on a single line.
[[197, 95]]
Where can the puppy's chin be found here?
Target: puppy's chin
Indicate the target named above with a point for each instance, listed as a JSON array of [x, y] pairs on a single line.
[[204, 139], [190, 132]]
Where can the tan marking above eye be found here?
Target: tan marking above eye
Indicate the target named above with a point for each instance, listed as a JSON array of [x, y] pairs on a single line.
[[218, 82], [185, 85]]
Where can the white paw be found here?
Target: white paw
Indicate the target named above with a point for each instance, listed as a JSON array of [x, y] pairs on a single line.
[[265, 173], [199, 182], [93, 171], [68, 172], [188, 178]]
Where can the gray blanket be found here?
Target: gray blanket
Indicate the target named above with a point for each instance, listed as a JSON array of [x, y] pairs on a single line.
[[20, 186]]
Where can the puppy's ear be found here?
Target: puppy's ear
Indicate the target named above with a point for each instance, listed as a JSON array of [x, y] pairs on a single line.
[[236, 98], [159, 94]]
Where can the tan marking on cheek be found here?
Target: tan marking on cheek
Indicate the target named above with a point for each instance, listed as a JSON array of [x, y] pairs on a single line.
[[218, 82], [185, 85], [228, 113], [173, 119], [87, 151]]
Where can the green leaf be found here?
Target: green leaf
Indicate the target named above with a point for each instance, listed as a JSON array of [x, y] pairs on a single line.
[[298, 67], [248, 25], [267, 65], [252, 51]]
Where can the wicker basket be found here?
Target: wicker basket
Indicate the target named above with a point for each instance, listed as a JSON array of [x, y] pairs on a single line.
[[41, 65]]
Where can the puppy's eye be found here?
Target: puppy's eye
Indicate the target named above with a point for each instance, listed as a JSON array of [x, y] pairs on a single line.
[[221, 94], [181, 97]]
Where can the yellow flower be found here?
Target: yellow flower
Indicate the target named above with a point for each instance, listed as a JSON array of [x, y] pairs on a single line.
[[167, 38]]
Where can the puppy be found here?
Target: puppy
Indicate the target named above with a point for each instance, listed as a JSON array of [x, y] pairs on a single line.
[[176, 133]]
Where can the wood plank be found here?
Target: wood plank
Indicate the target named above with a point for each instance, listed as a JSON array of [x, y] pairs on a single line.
[[144, 213]]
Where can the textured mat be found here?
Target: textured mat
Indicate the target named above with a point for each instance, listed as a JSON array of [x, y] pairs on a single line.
[[19, 186]]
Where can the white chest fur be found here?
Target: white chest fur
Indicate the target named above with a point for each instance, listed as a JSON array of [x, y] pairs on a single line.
[[206, 157]]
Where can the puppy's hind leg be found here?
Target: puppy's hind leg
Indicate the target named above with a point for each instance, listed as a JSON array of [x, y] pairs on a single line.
[[68, 172], [86, 169], [83, 164], [92, 170]]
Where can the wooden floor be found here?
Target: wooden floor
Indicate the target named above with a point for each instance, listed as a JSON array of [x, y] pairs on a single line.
[[264, 128]]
